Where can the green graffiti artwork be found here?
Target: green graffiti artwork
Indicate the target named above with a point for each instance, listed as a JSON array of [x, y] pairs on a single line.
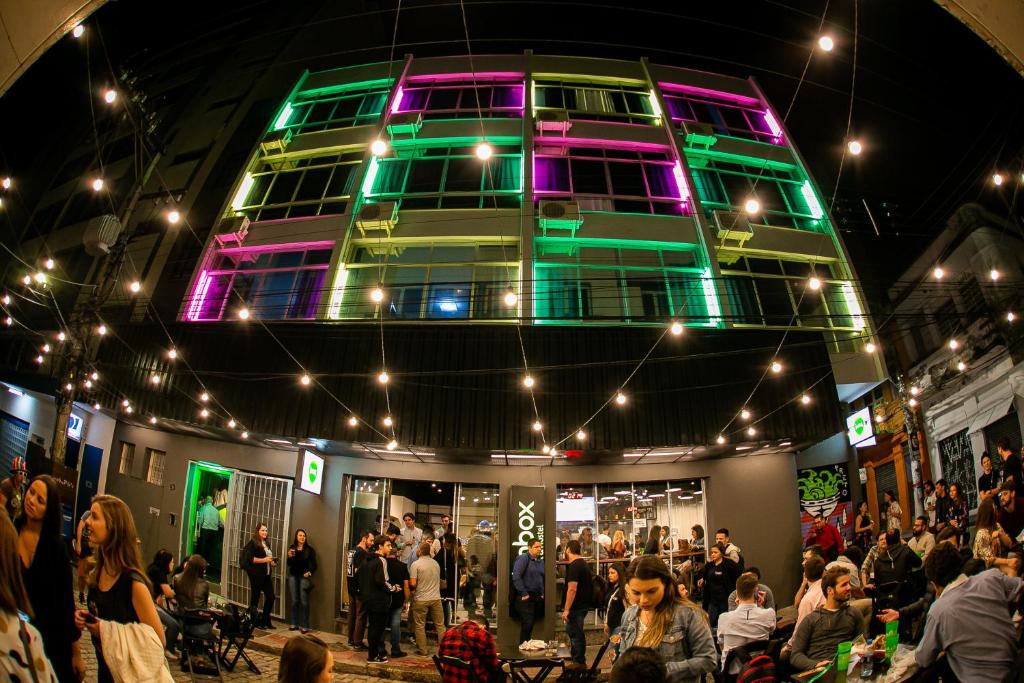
[[819, 485]]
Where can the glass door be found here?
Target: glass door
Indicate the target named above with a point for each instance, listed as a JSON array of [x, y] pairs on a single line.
[[366, 502], [475, 527]]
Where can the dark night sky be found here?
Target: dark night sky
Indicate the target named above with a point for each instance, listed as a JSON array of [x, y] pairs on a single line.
[[937, 109]]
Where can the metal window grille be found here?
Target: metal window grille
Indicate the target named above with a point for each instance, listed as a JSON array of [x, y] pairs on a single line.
[[155, 466], [127, 464], [255, 499]]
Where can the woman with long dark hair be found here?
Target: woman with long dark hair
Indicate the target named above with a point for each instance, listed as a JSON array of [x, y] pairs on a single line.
[[863, 527], [616, 604], [301, 566], [305, 659], [257, 560], [673, 626], [158, 572], [193, 592], [46, 570], [990, 541], [653, 546], [958, 512], [118, 589], [20, 642], [718, 579]]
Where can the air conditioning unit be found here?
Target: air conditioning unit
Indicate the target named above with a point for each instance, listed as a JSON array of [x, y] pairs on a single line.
[[376, 217], [406, 124], [560, 216], [733, 226], [553, 121], [234, 230], [100, 234], [700, 134], [276, 142]]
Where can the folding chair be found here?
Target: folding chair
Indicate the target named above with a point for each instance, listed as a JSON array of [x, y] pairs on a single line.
[[585, 675], [441, 662], [197, 637], [517, 668], [235, 632]]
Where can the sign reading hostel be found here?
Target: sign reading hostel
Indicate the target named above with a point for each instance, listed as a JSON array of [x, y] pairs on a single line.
[[526, 514], [312, 476]]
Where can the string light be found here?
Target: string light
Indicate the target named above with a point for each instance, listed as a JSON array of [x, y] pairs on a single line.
[[172, 353], [993, 274], [392, 445], [10, 321], [101, 330], [938, 273], [173, 216], [383, 378], [40, 359], [46, 348], [581, 435], [511, 298], [94, 376], [954, 344], [554, 452], [243, 313], [720, 440], [97, 184], [152, 420], [751, 431], [537, 426], [997, 179], [961, 366], [6, 182], [129, 410], [914, 391], [745, 414], [155, 379], [232, 424], [805, 399], [305, 380], [204, 397], [1010, 317], [377, 294], [378, 147], [814, 283], [40, 277], [776, 367], [50, 263], [879, 418], [870, 347], [546, 448], [676, 328], [353, 421], [7, 299], [96, 406], [484, 151], [88, 384], [135, 286], [110, 95], [244, 435], [855, 147], [752, 206], [204, 413], [528, 381], [69, 386], [61, 336], [912, 402], [826, 43], [77, 31], [126, 403], [620, 398], [388, 421], [27, 280]]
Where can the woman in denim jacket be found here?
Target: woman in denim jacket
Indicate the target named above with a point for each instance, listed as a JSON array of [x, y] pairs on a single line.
[[676, 628]]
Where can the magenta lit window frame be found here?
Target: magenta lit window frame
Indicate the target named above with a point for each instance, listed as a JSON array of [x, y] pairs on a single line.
[[461, 80], [756, 111]]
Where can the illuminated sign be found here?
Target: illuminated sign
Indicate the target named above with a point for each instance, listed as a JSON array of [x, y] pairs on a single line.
[[75, 424], [859, 428], [312, 476]]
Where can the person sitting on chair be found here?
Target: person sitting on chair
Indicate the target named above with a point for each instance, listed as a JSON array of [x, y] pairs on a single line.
[[192, 592], [472, 642]]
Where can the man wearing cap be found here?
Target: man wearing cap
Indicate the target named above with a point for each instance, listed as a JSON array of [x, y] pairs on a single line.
[[12, 489]]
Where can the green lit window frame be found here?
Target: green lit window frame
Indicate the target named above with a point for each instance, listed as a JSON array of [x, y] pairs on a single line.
[[301, 109], [647, 117], [797, 288], [256, 208]]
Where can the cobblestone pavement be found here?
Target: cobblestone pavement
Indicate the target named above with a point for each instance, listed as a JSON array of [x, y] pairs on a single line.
[[267, 664]]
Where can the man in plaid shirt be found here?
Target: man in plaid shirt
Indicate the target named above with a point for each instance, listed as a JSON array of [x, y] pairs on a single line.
[[473, 643]]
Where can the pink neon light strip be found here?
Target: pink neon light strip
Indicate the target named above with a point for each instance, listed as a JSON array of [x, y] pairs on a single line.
[[601, 144], [684, 189], [707, 92], [467, 76], [773, 125], [198, 296], [398, 100]]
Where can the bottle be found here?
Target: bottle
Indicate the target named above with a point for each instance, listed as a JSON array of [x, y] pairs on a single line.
[[892, 639]]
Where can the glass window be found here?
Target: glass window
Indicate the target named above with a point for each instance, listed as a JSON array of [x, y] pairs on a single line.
[[596, 101], [298, 187], [449, 99], [343, 109]]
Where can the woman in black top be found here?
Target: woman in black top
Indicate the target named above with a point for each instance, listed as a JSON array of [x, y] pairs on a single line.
[[653, 546], [718, 579], [193, 592], [118, 590], [616, 603], [257, 560], [301, 566], [958, 512], [46, 568], [163, 595], [864, 527], [449, 576]]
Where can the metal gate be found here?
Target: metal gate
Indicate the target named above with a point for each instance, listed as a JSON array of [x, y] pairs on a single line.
[[254, 499]]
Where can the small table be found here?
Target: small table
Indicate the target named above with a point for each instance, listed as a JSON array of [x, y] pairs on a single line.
[[543, 661]]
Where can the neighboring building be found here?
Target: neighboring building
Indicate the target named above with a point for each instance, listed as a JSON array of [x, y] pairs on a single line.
[[964, 408], [610, 205]]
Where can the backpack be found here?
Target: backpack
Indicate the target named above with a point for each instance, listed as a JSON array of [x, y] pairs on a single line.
[[759, 669]]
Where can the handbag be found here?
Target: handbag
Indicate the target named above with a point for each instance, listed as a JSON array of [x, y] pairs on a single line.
[[26, 643]]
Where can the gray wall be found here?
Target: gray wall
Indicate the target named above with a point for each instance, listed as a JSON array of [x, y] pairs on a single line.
[[754, 496]]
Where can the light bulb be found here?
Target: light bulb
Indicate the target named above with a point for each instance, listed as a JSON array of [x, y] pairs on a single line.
[[155, 379], [204, 397], [96, 406], [914, 391], [870, 347], [528, 381], [135, 286], [61, 336], [879, 419], [620, 398], [50, 263], [752, 206], [46, 348], [378, 147], [581, 435], [204, 413], [855, 147], [173, 217], [511, 298], [129, 410], [39, 359], [6, 182], [353, 422], [751, 431], [392, 445], [383, 378], [101, 330], [125, 403], [152, 420], [10, 321], [484, 151], [97, 184], [993, 274], [244, 435], [912, 402], [388, 421], [745, 414], [243, 313], [232, 423], [305, 380], [676, 328], [537, 426], [1010, 317], [546, 449], [69, 386], [77, 31], [27, 280], [776, 367], [938, 273], [88, 384], [377, 294], [94, 376], [109, 96], [7, 299], [805, 399], [997, 179], [826, 43], [961, 366], [172, 354], [814, 283], [720, 440], [954, 344], [554, 452], [39, 277]]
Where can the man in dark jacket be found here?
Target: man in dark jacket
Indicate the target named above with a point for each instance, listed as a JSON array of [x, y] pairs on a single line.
[[893, 568], [356, 613], [375, 590]]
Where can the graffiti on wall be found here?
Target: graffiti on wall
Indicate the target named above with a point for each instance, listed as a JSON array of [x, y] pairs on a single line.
[[825, 490]]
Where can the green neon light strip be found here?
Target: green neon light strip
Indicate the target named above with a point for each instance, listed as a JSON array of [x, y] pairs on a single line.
[[619, 242], [282, 118], [314, 93], [757, 162], [458, 140]]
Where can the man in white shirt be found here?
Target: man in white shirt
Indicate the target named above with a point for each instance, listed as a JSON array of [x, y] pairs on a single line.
[[929, 502], [410, 538], [923, 541], [604, 539], [748, 623], [813, 597]]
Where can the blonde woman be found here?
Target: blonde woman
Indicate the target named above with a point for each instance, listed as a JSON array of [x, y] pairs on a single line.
[[619, 546], [662, 620], [118, 588]]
